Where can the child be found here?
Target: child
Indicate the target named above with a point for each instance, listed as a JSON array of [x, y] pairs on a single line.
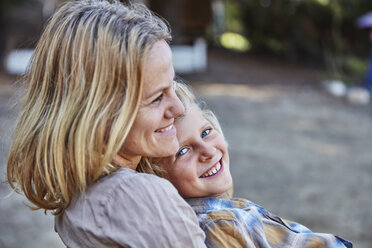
[[200, 172]]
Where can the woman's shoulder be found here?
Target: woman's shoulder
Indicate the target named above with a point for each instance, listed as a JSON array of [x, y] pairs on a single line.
[[128, 186], [130, 180], [139, 201], [120, 204]]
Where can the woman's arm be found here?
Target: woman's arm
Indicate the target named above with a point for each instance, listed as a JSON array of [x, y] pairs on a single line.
[[147, 211]]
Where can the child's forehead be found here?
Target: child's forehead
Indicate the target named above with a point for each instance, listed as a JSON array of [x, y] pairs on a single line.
[[193, 115], [190, 124]]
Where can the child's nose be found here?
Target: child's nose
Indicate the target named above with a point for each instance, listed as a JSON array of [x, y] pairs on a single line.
[[207, 152]]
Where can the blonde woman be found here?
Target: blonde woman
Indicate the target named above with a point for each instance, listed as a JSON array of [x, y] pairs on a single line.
[[99, 97]]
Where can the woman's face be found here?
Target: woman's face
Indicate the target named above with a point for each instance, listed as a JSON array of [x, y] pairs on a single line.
[[200, 167], [153, 133]]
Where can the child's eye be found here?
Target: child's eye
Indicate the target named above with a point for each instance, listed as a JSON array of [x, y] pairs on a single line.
[[158, 99], [181, 152], [206, 132]]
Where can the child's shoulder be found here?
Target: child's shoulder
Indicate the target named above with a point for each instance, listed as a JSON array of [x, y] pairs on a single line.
[[223, 214], [226, 210]]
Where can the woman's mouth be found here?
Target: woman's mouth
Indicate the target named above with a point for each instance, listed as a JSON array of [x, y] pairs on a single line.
[[165, 129], [214, 171]]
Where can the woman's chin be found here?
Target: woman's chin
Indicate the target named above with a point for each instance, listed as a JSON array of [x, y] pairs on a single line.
[[166, 149]]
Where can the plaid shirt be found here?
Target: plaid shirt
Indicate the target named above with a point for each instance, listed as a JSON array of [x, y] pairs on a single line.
[[241, 223]]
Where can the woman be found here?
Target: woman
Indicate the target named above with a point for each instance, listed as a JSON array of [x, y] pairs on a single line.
[[100, 96]]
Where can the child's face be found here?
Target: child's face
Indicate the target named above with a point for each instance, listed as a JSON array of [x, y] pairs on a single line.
[[201, 166]]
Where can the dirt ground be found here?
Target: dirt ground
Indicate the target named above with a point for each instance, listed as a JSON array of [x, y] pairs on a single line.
[[295, 150]]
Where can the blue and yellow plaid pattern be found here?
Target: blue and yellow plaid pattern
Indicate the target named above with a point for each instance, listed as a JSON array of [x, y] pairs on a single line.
[[241, 223]]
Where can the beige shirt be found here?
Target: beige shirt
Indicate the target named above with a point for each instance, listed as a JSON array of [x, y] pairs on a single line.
[[130, 209]]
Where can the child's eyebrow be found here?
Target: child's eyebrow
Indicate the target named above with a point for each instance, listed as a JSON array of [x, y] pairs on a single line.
[[205, 124], [179, 118], [184, 142]]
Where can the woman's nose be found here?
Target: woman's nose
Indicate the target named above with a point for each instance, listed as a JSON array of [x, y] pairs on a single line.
[[207, 152], [175, 108]]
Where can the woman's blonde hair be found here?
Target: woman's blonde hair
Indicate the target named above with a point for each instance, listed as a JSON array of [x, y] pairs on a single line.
[[84, 87], [187, 97]]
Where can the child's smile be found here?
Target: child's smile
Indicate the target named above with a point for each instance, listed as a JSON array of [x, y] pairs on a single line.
[[216, 168], [201, 165]]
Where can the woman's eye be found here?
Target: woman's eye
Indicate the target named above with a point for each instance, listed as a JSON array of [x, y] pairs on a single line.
[[158, 99], [181, 152], [206, 132]]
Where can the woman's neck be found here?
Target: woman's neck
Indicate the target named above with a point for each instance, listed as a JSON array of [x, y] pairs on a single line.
[[123, 160]]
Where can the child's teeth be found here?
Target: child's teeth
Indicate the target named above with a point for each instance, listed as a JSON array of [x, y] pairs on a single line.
[[213, 171]]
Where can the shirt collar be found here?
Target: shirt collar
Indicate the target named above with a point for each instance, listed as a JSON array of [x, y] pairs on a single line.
[[205, 204]]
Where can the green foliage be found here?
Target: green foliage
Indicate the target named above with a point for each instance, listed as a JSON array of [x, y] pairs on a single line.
[[356, 65], [320, 31]]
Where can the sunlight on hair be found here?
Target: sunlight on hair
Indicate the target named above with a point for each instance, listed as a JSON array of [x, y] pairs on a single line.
[[235, 41]]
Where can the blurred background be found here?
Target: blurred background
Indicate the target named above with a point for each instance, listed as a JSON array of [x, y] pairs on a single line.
[[287, 81]]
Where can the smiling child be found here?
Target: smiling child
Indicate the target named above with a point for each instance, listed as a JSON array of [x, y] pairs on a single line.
[[200, 167], [200, 172]]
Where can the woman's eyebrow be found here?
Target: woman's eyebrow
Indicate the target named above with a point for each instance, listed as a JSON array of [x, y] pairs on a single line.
[[157, 91]]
